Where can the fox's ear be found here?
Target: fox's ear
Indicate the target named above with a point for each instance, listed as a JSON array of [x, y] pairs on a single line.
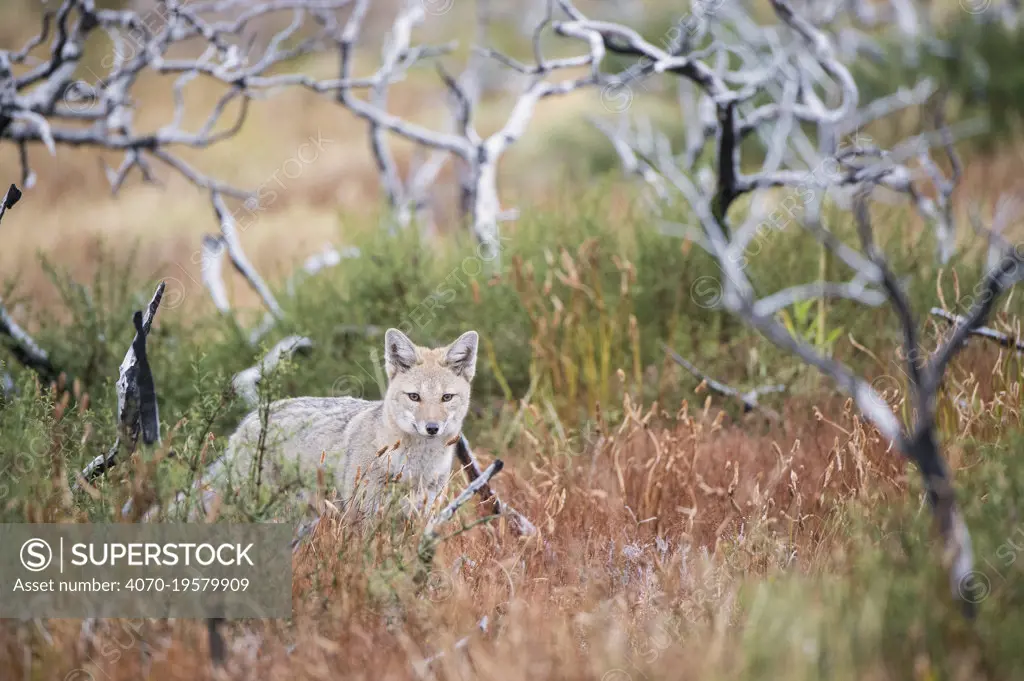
[[461, 355], [399, 352]]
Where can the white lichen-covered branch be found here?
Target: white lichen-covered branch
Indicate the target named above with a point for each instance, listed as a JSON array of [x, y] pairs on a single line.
[[51, 92], [479, 154]]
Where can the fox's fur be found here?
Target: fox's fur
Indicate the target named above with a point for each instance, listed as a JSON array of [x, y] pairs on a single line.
[[365, 445]]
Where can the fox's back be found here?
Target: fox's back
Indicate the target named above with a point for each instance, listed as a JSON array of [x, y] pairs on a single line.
[[300, 431]]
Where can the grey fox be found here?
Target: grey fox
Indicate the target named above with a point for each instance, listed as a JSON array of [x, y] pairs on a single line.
[[408, 437]]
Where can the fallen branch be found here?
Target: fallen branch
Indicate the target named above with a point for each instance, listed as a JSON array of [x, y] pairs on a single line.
[[215, 247], [749, 399], [229, 241], [329, 257], [517, 520], [430, 539], [245, 382], [213, 251], [985, 332], [25, 349], [496, 506]]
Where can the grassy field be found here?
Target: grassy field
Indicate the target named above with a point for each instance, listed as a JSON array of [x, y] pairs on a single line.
[[679, 536]]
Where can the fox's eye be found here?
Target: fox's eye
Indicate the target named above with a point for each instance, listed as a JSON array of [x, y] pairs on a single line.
[[447, 397], [415, 397]]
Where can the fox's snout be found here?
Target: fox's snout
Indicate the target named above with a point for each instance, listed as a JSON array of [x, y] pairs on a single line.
[[431, 419], [431, 424]]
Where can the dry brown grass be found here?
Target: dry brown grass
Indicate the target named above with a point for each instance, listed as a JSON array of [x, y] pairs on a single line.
[[650, 533], [656, 523]]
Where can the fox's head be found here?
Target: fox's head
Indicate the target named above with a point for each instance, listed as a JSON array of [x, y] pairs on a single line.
[[428, 388]]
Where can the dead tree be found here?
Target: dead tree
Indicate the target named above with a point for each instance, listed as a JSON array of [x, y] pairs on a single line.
[[244, 385], [48, 100], [137, 411], [792, 82], [779, 74], [52, 95], [480, 155]]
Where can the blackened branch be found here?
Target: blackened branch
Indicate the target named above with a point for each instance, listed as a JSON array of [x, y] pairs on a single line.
[[749, 398], [1005, 340], [490, 500], [19, 342], [897, 296], [137, 411], [431, 535], [728, 160], [149, 414]]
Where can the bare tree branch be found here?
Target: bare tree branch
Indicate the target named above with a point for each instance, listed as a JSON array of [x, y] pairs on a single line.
[[47, 104], [137, 411], [520, 525], [985, 332], [20, 343], [749, 398], [245, 383], [723, 111], [229, 240], [431, 538]]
